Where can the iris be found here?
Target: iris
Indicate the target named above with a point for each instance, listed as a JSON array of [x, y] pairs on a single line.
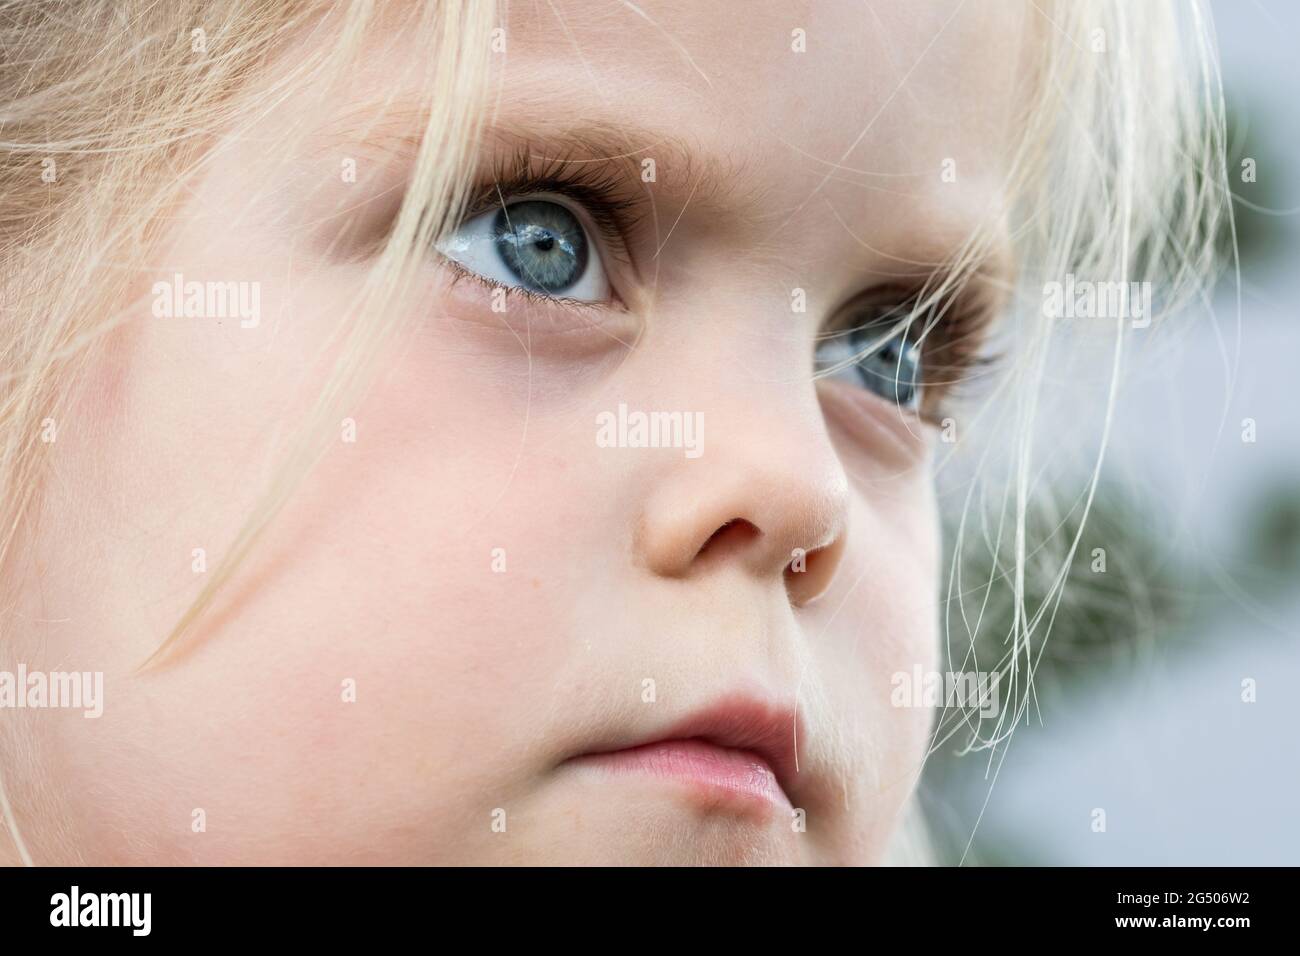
[[878, 357], [542, 244]]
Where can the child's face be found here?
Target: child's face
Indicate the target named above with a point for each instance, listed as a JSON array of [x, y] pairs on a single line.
[[639, 593]]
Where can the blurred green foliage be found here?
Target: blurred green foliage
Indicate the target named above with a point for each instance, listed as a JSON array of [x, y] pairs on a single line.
[[1260, 235]]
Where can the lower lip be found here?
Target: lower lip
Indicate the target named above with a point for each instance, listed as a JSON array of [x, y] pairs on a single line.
[[718, 773]]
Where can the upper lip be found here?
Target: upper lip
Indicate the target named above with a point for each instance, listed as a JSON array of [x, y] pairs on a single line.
[[740, 722]]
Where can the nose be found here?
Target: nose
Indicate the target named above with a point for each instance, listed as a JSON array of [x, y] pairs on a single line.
[[770, 497]]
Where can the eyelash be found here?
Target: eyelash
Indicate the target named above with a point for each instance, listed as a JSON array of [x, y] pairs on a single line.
[[955, 339], [598, 189], [951, 345]]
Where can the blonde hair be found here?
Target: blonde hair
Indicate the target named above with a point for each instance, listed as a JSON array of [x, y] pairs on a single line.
[[1121, 178], [1122, 155]]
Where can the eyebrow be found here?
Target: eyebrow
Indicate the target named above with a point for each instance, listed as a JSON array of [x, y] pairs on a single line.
[[680, 168], [685, 173]]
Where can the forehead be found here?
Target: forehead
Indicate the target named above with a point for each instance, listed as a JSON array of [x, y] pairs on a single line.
[[883, 114], [818, 70]]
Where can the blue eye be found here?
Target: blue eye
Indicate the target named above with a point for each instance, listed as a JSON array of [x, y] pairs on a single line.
[[875, 356], [536, 244]]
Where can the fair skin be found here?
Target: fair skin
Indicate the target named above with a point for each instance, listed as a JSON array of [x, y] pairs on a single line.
[[479, 690]]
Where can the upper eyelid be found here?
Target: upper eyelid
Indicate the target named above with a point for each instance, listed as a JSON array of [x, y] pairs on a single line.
[[965, 305], [602, 188], [893, 307], [499, 195], [714, 184]]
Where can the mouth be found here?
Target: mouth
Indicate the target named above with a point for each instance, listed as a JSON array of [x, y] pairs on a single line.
[[740, 752]]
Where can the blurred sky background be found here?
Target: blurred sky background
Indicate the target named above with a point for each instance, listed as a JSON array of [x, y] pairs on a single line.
[[1140, 710]]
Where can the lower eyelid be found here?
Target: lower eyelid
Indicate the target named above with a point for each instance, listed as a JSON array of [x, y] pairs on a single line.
[[531, 315], [873, 422], [509, 292]]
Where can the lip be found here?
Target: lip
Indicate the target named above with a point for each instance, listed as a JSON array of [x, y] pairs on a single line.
[[740, 750]]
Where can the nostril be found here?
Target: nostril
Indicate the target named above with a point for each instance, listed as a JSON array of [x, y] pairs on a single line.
[[730, 537], [809, 573]]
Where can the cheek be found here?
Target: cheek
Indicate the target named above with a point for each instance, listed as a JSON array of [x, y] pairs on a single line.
[[898, 552], [880, 621], [349, 680]]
